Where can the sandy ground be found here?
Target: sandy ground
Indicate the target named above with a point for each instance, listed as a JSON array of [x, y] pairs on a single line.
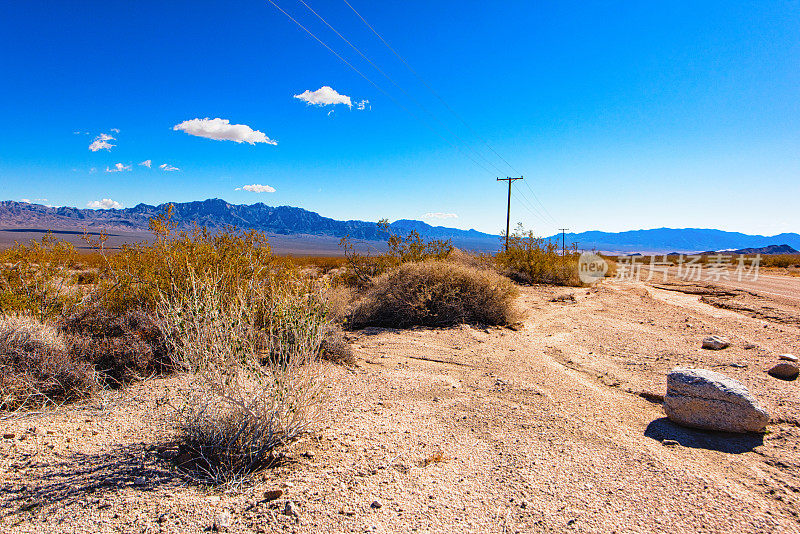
[[555, 427]]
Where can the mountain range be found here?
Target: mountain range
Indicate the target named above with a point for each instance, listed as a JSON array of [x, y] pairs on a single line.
[[295, 225]]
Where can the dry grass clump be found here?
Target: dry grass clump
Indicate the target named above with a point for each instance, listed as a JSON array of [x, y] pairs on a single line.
[[436, 293], [535, 260], [334, 347], [254, 354], [36, 366], [122, 346]]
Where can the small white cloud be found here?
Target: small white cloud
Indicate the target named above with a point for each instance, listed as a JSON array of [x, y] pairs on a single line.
[[324, 96], [105, 204], [40, 200], [223, 130], [147, 163], [25, 200], [118, 167], [115, 130], [439, 215], [101, 142], [257, 188], [167, 167], [92, 170], [362, 105]]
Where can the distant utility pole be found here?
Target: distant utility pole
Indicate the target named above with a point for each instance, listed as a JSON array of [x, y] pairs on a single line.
[[563, 241], [508, 211]]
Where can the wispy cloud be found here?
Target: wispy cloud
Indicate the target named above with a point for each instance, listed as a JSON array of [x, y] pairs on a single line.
[[439, 215], [115, 130], [25, 200], [101, 142], [105, 204], [167, 167], [118, 167], [362, 105], [223, 130], [257, 188], [147, 163], [324, 96]]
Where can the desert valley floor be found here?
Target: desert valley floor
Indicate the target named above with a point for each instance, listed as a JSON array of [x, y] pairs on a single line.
[[555, 426]]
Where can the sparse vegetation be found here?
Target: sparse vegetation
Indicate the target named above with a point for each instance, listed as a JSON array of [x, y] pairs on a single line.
[[436, 293], [36, 367], [535, 260]]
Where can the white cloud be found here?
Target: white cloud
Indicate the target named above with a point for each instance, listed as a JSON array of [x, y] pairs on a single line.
[[167, 167], [223, 130], [40, 200], [115, 130], [439, 215], [147, 163], [101, 142], [118, 167], [362, 105], [92, 170], [25, 200], [324, 96], [257, 188], [105, 204]]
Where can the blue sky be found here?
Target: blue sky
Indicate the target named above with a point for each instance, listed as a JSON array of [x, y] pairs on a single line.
[[620, 115]]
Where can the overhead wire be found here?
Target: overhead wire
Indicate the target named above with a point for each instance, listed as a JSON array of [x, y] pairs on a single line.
[[406, 93], [320, 41], [446, 105]]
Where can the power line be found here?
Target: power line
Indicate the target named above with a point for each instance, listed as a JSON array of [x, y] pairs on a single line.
[[428, 86], [393, 82], [378, 87], [446, 105], [529, 205]]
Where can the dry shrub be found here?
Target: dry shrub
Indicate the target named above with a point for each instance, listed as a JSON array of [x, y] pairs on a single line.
[[436, 293], [335, 348], [535, 260], [254, 353], [36, 367], [122, 346], [35, 277]]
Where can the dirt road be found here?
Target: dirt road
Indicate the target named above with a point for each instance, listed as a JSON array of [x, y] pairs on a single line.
[[556, 427]]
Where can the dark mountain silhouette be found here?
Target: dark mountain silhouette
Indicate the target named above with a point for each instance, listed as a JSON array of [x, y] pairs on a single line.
[[297, 222], [216, 214], [677, 240]]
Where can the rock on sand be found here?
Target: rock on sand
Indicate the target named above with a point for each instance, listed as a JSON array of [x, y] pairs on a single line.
[[704, 399], [716, 343]]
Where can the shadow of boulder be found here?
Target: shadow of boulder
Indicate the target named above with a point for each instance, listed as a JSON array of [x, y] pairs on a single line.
[[728, 442]]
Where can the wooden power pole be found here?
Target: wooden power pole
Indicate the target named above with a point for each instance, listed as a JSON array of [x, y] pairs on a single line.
[[563, 241], [508, 211]]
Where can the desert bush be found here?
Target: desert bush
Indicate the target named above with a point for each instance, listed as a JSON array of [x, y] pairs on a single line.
[[436, 293], [334, 347], [362, 268], [780, 260], [254, 354], [121, 346], [36, 366], [138, 274], [535, 260], [34, 278]]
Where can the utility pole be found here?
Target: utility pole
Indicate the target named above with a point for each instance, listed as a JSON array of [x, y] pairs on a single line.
[[563, 241], [508, 211]]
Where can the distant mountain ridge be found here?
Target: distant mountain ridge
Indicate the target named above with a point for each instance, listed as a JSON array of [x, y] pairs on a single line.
[[291, 221], [216, 213], [682, 240]]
